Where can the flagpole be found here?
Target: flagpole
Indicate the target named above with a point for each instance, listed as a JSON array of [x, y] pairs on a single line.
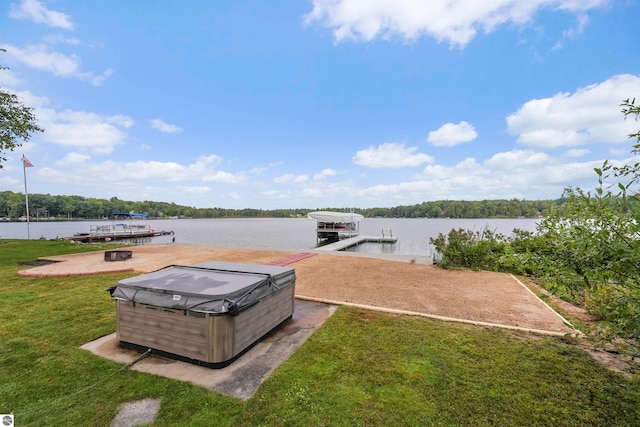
[[26, 195]]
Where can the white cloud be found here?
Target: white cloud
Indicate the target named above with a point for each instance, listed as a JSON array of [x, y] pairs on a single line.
[[164, 127], [225, 177], [455, 22], [73, 158], [618, 151], [572, 33], [590, 115], [517, 159], [7, 181], [200, 189], [60, 39], [322, 175], [42, 57], [512, 174], [582, 21], [33, 10], [8, 78], [262, 169], [414, 190], [467, 167], [451, 134], [90, 131], [211, 160], [308, 190], [73, 169], [203, 169], [577, 152], [390, 155], [153, 170], [258, 170], [289, 177], [275, 194]]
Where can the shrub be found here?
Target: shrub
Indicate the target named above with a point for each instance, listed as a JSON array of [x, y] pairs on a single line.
[[468, 249]]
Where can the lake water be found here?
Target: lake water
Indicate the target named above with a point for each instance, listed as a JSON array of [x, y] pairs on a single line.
[[290, 234]]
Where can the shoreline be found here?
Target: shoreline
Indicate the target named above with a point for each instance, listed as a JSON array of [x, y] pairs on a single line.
[[382, 281]]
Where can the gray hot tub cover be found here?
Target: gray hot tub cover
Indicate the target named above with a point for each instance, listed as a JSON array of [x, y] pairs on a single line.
[[216, 287]]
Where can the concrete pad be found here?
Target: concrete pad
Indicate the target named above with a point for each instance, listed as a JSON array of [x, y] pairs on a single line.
[[242, 377]]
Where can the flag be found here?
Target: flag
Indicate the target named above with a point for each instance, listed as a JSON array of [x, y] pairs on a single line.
[[27, 163]]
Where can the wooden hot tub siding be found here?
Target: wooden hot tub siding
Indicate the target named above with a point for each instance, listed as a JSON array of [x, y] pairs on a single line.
[[215, 339]]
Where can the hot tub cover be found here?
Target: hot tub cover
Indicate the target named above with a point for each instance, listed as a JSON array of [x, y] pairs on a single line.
[[216, 287]]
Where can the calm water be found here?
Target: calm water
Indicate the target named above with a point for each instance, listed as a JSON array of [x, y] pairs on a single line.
[[281, 233]]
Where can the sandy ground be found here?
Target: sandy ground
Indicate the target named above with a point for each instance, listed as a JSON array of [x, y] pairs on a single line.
[[384, 282]]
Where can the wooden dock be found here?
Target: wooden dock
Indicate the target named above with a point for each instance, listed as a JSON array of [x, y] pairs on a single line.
[[352, 241], [106, 237]]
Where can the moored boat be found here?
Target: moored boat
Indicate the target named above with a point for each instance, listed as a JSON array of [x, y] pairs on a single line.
[[125, 225]]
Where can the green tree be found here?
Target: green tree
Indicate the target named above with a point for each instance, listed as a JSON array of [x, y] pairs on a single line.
[[17, 122], [594, 246]]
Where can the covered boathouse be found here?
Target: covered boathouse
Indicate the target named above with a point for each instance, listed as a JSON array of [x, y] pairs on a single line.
[[336, 225]]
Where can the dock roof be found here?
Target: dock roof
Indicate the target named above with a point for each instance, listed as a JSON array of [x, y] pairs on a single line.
[[328, 216]]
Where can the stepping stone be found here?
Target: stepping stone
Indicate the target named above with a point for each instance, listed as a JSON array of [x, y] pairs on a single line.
[[136, 413]]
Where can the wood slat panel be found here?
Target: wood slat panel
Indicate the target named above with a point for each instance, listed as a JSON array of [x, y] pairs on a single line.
[[162, 329], [221, 338], [169, 343], [159, 320], [253, 323]]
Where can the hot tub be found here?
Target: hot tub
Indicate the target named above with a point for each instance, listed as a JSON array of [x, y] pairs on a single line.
[[208, 313]]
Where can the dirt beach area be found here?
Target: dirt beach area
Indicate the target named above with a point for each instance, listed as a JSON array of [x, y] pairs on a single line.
[[391, 283]]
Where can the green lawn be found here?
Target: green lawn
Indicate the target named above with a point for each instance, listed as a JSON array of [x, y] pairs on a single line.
[[361, 368]]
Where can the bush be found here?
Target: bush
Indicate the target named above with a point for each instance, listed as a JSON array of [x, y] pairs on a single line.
[[479, 250], [619, 309]]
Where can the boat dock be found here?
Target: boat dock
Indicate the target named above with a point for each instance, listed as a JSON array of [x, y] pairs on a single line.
[[123, 227], [106, 237], [353, 241]]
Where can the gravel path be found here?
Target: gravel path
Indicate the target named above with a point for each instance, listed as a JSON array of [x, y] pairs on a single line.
[[397, 283]]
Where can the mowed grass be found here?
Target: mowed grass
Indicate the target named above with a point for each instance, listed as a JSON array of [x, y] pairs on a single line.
[[361, 368]]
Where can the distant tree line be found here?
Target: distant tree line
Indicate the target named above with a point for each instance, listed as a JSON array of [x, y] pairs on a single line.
[[47, 207]]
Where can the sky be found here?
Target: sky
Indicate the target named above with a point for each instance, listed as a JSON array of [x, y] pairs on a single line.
[[319, 104]]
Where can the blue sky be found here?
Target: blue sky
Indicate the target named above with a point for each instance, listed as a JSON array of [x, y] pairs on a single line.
[[316, 104]]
